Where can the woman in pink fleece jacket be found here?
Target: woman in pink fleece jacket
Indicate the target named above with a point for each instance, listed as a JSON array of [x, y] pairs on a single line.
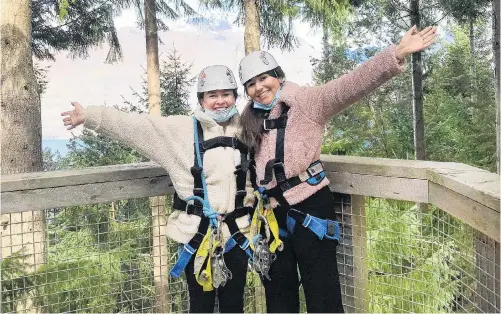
[[284, 124]]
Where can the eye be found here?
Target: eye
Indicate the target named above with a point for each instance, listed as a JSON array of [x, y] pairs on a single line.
[[226, 94]]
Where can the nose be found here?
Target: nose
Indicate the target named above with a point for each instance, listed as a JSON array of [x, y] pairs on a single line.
[[220, 100], [259, 86]]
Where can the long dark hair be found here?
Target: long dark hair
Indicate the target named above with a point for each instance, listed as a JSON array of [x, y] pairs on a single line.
[[252, 119]]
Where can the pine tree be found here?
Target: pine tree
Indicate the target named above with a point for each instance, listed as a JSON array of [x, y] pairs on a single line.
[[175, 83]]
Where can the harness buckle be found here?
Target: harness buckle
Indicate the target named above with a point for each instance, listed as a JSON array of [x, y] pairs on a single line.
[[278, 163], [315, 168], [264, 125], [331, 228], [188, 203], [198, 192]]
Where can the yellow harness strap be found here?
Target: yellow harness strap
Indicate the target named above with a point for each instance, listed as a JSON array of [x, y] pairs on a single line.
[[204, 276], [256, 223]]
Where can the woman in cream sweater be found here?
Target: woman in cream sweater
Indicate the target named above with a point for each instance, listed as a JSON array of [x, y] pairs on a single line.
[[210, 193]]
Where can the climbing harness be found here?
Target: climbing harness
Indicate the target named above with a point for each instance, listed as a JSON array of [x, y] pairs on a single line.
[[208, 244], [264, 248]]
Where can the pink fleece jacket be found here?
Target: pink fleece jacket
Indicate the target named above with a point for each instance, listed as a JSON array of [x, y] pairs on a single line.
[[310, 109]]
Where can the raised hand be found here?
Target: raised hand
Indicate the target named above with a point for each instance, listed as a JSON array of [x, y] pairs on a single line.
[[74, 117], [414, 41]]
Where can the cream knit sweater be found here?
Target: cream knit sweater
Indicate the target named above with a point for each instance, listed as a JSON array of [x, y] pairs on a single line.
[[168, 141]]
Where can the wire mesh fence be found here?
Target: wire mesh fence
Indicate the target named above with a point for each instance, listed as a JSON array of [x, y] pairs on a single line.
[[398, 257], [393, 256]]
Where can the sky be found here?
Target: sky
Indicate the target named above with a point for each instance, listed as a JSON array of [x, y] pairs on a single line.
[[203, 42]]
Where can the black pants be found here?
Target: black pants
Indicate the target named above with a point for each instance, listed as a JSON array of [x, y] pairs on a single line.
[[231, 296], [316, 260]]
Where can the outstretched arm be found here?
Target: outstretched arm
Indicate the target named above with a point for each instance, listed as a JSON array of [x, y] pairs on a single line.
[[320, 103], [146, 133]]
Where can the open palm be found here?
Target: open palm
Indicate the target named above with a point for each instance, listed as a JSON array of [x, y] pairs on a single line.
[[414, 41], [74, 117]]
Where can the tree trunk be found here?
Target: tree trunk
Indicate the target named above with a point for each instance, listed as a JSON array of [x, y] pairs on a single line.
[[472, 36], [252, 33], [158, 218], [325, 39], [496, 25], [417, 90], [21, 127], [417, 97]]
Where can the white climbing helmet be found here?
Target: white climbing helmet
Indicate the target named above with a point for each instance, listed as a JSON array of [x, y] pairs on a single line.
[[216, 77], [255, 63]]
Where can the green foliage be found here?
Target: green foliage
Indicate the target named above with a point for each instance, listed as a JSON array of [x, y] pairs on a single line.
[[14, 281], [74, 26], [63, 8], [379, 125], [165, 10], [81, 277], [458, 100], [53, 160], [464, 10], [275, 19], [460, 109], [41, 77], [91, 150], [78, 26], [330, 15], [417, 262]]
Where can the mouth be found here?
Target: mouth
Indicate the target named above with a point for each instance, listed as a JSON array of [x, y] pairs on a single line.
[[262, 94], [220, 108]]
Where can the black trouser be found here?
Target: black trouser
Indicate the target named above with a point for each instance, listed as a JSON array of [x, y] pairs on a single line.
[[316, 260], [231, 295]]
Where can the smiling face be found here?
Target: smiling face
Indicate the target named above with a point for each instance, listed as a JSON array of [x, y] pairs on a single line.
[[262, 88], [218, 99]]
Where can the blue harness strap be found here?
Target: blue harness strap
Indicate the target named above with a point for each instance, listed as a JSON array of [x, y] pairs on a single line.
[[283, 233], [190, 248], [183, 260], [231, 243], [323, 228]]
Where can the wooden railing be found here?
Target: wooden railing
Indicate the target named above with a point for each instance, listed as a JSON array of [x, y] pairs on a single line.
[[469, 194]]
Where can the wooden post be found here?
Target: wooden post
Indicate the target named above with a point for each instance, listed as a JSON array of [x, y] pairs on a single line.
[[486, 295], [351, 252], [360, 267]]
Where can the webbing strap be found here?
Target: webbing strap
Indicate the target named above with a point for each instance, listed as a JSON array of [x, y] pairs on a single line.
[[223, 141], [189, 249], [323, 228]]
